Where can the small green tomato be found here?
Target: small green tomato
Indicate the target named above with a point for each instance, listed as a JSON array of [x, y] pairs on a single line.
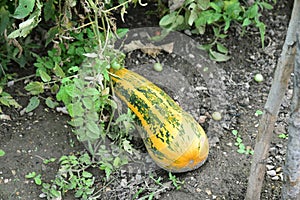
[[115, 65], [216, 116], [158, 67], [258, 78]]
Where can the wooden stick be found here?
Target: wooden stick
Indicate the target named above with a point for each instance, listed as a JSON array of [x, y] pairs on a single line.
[[291, 169], [265, 130]]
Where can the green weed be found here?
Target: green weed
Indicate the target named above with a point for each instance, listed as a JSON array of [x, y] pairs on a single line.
[[283, 136], [241, 146], [220, 15], [2, 153]]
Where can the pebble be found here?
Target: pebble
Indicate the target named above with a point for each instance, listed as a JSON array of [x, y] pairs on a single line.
[[269, 167], [208, 191], [123, 183], [229, 144], [275, 178], [271, 173], [279, 158], [278, 169]]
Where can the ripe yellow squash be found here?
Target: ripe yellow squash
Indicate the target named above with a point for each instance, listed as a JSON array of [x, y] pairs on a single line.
[[174, 140]]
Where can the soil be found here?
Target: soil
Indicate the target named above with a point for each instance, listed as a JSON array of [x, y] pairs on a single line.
[[29, 138]]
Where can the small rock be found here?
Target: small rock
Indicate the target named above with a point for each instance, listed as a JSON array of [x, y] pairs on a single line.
[[202, 119], [22, 112], [271, 173], [278, 169], [13, 172], [275, 178], [279, 158], [208, 191], [229, 144], [282, 151], [269, 167], [123, 183], [138, 177]]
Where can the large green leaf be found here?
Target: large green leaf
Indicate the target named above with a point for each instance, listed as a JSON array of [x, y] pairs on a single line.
[[24, 8], [34, 102], [35, 87]]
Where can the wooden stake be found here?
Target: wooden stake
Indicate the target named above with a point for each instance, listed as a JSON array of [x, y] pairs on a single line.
[[265, 130]]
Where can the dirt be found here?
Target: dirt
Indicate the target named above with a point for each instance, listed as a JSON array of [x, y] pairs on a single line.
[[42, 134]]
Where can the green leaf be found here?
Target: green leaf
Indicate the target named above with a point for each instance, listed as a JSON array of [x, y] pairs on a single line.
[[167, 19], [266, 5], [7, 100], [205, 47], [47, 161], [92, 116], [50, 103], [55, 193], [262, 30], [117, 162], [77, 122], [4, 22], [227, 23], [88, 103], [51, 34], [44, 76], [24, 8], [86, 174], [63, 96], [75, 109], [49, 10], [26, 26], [219, 57], [34, 102], [234, 132], [30, 175], [252, 11], [38, 180], [127, 146], [246, 22], [58, 71], [215, 6], [239, 140], [121, 32], [91, 92], [221, 48], [242, 146], [214, 18], [2, 152], [259, 112], [241, 151], [283, 136], [94, 128], [203, 4], [193, 16], [35, 87]]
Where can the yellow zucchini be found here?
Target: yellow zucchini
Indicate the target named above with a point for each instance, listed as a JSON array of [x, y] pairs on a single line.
[[174, 140]]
